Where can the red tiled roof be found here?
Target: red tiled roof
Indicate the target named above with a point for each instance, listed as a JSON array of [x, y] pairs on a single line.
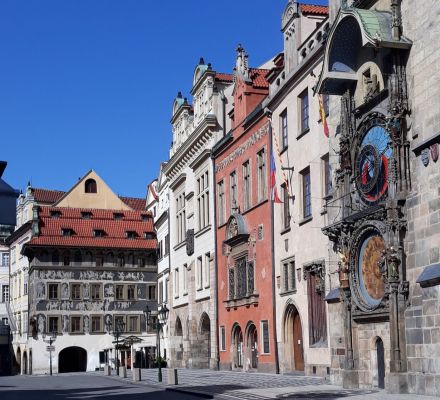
[[83, 229], [47, 196], [258, 77], [220, 76], [313, 9], [134, 202]]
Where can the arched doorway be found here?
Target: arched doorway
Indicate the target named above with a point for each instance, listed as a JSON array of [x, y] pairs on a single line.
[[293, 340], [380, 363], [205, 340], [178, 333], [72, 359], [18, 361], [24, 368], [237, 347], [252, 346], [30, 362]]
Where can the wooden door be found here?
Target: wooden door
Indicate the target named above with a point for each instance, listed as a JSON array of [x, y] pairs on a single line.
[[380, 363], [298, 354]]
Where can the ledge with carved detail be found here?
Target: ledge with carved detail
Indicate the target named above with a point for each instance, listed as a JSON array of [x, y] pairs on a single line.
[[247, 301]]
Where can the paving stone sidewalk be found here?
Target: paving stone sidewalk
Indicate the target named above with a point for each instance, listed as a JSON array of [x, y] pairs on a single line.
[[258, 386]]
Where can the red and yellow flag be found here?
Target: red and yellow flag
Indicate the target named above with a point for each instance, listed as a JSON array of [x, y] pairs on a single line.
[[323, 117]]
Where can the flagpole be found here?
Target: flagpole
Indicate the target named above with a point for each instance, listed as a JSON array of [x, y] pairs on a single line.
[[272, 219]]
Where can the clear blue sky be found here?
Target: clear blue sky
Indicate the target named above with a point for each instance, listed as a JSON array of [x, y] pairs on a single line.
[[90, 83]]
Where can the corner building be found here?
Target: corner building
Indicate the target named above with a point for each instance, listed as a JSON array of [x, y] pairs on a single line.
[[381, 69], [247, 339]]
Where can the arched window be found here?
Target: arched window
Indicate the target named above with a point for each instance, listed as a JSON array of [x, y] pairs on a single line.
[[90, 186]]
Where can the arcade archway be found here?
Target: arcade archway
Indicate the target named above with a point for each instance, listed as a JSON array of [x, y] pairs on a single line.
[[72, 359]]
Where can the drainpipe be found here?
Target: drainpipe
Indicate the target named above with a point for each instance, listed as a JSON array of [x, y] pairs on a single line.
[[214, 191], [223, 99], [274, 304]]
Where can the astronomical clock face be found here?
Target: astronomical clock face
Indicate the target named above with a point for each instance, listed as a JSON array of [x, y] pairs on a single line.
[[372, 164], [370, 279]]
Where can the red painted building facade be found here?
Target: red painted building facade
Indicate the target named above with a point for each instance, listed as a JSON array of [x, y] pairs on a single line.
[[244, 229]]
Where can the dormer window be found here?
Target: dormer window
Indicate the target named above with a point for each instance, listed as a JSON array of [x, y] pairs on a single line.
[[67, 231], [118, 216], [86, 215], [98, 233], [148, 235], [90, 186], [55, 214], [144, 217], [131, 234]]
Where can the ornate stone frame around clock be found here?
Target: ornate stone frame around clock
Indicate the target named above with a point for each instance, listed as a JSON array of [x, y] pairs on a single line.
[[361, 308]]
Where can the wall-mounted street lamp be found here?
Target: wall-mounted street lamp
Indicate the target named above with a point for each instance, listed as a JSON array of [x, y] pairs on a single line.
[[157, 324]]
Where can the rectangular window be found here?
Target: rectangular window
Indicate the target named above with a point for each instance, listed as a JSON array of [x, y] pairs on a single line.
[[119, 292], [133, 323], [120, 322], [265, 337], [167, 288], [53, 324], [96, 324], [304, 111], [203, 200], [167, 244], [53, 291], [131, 291], [241, 279], [327, 178], [5, 293], [176, 282], [233, 192], [283, 130], [261, 175], [95, 289], [161, 299], [306, 193], [75, 291], [247, 185], [75, 325], [4, 260], [316, 306], [222, 339], [180, 218], [289, 277], [286, 206], [185, 278], [221, 202], [199, 273], [152, 292], [206, 271]]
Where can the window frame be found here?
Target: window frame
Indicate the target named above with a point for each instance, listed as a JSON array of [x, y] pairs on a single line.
[[202, 185], [304, 111], [76, 317], [101, 325], [261, 175], [49, 297], [286, 215], [233, 194], [73, 287], [221, 202], [306, 193], [284, 130], [246, 175], [264, 324]]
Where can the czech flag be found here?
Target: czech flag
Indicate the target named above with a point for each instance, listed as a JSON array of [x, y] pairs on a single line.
[[273, 181]]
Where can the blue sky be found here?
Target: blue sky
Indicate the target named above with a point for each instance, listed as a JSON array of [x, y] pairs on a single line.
[[90, 83]]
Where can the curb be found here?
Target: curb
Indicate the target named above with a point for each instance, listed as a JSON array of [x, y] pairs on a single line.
[[192, 392]]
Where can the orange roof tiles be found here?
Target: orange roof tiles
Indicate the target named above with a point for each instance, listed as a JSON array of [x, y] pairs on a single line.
[[313, 9], [51, 228], [258, 77], [224, 77], [134, 202], [47, 196]]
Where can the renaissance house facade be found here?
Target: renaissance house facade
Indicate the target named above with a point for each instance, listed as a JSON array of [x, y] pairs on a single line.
[[304, 182], [92, 267], [196, 127]]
